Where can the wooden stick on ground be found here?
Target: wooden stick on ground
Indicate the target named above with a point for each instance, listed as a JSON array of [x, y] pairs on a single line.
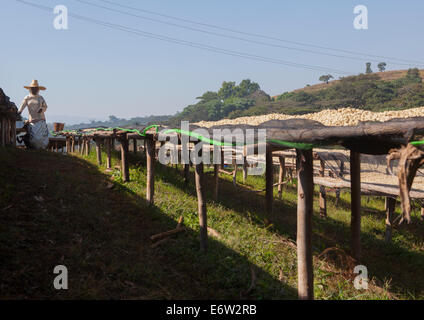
[[167, 233]]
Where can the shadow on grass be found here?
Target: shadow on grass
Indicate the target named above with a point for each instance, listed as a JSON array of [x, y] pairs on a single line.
[[393, 262], [60, 210]]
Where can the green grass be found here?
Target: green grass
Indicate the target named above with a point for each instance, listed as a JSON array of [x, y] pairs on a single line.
[[103, 236]]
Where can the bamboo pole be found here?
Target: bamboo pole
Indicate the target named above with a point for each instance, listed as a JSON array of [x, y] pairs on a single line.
[[281, 174], [98, 151], [108, 145], [322, 193], [390, 210], [201, 203], [305, 192], [150, 154], [355, 185], [269, 175]]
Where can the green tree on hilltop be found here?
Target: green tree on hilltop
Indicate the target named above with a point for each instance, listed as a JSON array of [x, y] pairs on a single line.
[[368, 70], [325, 78], [382, 66]]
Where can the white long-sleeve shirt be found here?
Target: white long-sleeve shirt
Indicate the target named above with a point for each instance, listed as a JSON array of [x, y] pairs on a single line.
[[34, 104]]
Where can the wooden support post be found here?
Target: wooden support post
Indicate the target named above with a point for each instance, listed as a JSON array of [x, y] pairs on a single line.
[[124, 158], [108, 145], [7, 131], [216, 179], [269, 175], [135, 146], [305, 193], [390, 211], [87, 146], [355, 222], [201, 203], [3, 132], [73, 144], [98, 151], [56, 146], [281, 174], [244, 164], [82, 146], [234, 161], [186, 173], [322, 193], [13, 132], [150, 154]]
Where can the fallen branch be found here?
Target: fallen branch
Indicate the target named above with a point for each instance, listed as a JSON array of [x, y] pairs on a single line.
[[167, 233], [180, 222], [156, 244], [214, 233], [226, 172]]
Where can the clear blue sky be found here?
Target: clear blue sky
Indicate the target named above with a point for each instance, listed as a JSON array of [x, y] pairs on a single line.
[[92, 72]]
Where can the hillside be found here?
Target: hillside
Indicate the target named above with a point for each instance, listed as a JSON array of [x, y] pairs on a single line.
[[118, 122], [391, 90], [385, 76], [75, 213]]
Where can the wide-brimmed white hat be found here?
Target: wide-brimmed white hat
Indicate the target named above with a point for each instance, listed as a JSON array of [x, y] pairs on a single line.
[[34, 84]]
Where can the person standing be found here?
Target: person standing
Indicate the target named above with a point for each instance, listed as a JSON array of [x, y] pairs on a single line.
[[37, 127]]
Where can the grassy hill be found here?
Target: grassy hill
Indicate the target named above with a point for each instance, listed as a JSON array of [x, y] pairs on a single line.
[[385, 76], [391, 90], [59, 209]]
